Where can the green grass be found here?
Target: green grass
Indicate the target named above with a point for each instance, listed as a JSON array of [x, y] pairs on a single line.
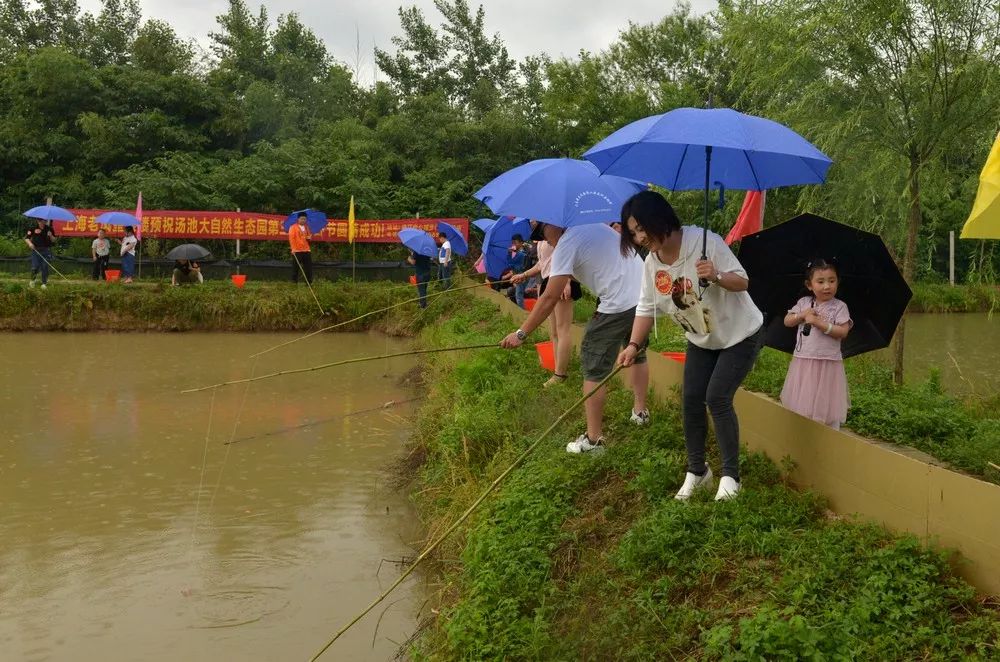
[[590, 557], [943, 298]]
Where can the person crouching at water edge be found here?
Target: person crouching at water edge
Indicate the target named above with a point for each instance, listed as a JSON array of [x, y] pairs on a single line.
[[129, 242], [591, 255], [722, 326], [186, 271], [298, 239]]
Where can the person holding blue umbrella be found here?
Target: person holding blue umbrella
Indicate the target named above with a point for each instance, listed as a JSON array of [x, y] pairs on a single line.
[[423, 249], [574, 205], [40, 240], [298, 240]]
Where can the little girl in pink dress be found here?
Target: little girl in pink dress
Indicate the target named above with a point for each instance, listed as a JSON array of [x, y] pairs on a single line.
[[816, 385]]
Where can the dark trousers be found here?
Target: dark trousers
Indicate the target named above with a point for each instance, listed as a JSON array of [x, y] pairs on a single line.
[[305, 259], [422, 280], [40, 258], [100, 266], [711, 378]]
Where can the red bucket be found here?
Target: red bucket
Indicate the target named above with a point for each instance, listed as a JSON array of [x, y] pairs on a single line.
[[529, 304], [112, 275], [546, 355], [413, 280], [675, 356], [239, 280]]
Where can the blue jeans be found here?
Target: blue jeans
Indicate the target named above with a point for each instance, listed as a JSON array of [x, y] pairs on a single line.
[[40, 264], [444, 273], [128, 265], [519, 290]]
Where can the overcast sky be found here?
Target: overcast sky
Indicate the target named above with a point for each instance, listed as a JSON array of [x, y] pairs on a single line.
[[557, 27]]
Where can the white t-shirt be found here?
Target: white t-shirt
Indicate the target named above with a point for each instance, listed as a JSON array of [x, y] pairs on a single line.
[[128, 244], [592, 255], [443, 252], [101, 247], [721, 318]]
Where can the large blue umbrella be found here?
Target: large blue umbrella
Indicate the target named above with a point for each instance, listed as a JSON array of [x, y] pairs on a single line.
[[496, 243], [315, 219], [484, 224], [458, 243], [693, 148], [418, 241], [50, 213], [118, 218], [562, 192]]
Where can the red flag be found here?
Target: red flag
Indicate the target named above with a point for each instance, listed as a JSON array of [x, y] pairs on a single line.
[[751, 218], [138, 214]]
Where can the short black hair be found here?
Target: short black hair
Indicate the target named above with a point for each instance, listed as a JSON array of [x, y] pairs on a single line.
[[304, 215], [820, 264], [128, 228], [652, 213], [443, 235], [517, 237]]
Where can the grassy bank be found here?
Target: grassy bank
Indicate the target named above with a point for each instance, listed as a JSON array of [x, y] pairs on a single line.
[[212, 306], [943, 298], [591, 558]]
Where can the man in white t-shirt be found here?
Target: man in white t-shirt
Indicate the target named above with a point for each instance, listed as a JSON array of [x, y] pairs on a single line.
[[444, 260], [592, 255]]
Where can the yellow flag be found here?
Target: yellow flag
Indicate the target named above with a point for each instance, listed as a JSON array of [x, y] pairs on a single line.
[[350, 222], [984, 221]]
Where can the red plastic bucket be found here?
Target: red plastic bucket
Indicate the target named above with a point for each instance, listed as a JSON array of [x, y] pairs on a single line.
[[529, 304], [413, 280], [546, 355], [239, 280], [675, 356], [112, 275]]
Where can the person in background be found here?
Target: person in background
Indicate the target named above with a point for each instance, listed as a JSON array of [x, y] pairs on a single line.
[[444, 260], [422, 270], [40, 240], [722, 324], [186, 271], [515, 261], [100, 251], [298, 239], [129, 242], [816, 384], [590, 254], [561, 320]]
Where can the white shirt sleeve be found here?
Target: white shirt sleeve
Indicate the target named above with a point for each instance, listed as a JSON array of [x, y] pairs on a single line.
[[647, 300], [563, 258]]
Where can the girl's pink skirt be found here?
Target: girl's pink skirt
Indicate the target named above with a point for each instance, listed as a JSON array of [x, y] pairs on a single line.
[[817, 389]]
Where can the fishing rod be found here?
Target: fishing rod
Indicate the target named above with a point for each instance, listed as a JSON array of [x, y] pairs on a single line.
[[311, 290], [374, 312], [475, 504], [381, 407], [51, 266], [337, 363]]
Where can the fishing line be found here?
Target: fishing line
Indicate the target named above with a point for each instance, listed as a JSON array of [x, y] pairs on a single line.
[[311, 290], [482, 497], [201, 478], [51, 266], [236, 425], [323, 366]]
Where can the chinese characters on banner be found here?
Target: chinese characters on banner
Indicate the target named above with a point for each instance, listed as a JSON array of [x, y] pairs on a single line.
[[247, 225]]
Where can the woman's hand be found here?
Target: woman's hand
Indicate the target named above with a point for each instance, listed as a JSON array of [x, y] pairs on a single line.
[[567, 293], [706, 270], [627, 356], [511, 341], [517, 279]]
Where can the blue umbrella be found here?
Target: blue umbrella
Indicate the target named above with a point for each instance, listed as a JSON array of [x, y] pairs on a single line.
[[563, 192], [50, 213], [458, 243], [496, 243], [484, 224], [418, 241], [118, 218], [315, 219], [693, 148]]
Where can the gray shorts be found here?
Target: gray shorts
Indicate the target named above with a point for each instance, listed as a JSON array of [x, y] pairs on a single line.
[[605, 336]]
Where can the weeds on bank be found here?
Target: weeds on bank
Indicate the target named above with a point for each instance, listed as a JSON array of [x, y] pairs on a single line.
[[591, 558]]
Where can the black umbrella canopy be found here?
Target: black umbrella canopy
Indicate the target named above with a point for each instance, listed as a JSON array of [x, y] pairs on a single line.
[[869, 281], [188, 252]]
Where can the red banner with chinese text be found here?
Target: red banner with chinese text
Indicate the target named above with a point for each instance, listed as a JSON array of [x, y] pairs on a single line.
[[247, 225]]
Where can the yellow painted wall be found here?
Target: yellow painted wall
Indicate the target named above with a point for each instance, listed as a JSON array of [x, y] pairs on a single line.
[[900, 488]]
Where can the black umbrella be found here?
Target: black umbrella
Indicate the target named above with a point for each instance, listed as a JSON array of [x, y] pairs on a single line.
[[188, 252], [870, 283]]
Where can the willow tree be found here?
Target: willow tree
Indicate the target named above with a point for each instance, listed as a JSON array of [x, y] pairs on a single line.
[[902, 81]]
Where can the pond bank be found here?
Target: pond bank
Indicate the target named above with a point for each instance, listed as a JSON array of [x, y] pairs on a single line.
[[591, 558]]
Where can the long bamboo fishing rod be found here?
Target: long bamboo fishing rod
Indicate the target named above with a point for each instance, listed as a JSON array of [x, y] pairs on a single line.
[[336, 363], [374, 312], [381, 407], [475, 504], [308, 284], [51, 266]]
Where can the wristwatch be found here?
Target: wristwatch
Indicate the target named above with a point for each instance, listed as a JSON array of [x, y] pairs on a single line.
[[521, 335], [718, 277]]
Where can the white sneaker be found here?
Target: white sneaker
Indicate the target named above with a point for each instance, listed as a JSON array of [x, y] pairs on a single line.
[[640, 417], [728, 488], [44, 286], [583, 444], [693, 482], [31, 283]]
